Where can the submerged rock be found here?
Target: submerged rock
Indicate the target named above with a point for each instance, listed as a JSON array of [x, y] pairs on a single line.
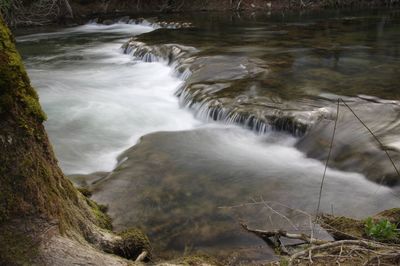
[[181, 185]]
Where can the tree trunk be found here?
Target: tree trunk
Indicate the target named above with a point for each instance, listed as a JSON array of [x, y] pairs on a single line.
[[34, 193]]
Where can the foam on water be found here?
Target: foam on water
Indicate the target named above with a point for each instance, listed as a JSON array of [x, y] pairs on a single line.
[[99, 101], [117, 28]]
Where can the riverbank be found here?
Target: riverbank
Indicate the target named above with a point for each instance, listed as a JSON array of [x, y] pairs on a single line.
[[88, 9], [21, 14]]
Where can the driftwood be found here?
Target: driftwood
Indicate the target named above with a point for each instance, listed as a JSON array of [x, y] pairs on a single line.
[[368, 245], [282, 233], [142, 256], [273, 238], [360, 250]]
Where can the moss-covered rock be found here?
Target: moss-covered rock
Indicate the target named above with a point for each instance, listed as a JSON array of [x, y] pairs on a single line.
[[133, 242]]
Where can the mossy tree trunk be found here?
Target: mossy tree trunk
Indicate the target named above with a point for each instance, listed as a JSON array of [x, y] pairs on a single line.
[[34, 193]]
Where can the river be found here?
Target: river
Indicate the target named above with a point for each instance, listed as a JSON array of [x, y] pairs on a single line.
[[192, 129]]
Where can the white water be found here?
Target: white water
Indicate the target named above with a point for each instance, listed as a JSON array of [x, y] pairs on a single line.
[[99, 101], [119, 28]]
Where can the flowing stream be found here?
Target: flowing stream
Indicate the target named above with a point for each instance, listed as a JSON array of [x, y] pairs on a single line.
[[98, 100], [195, 128]]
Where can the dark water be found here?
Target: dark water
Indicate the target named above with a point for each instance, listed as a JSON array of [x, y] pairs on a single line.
[[240, 108], [346, 53]]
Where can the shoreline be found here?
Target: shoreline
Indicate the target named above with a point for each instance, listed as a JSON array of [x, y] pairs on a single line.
[[80, 12]]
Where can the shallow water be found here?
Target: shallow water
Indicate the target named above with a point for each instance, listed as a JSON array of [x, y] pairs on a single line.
[[193, 175], [179, 188]]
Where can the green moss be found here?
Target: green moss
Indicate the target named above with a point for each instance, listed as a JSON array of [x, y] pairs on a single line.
[[197, 260], [343, 227], [132, 244], [14, 82], [284, 261], [103, 220], [33, 107], [86, 192]]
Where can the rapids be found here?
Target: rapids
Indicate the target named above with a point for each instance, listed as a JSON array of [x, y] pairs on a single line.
[[98, 100]]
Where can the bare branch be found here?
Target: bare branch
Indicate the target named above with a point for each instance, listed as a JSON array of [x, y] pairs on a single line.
[[282, 233], [369, 245]]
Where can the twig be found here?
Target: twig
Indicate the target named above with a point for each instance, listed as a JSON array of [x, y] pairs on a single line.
[[238, 6], [340, 255], [278, 213], [363, 243], [327, 161]]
